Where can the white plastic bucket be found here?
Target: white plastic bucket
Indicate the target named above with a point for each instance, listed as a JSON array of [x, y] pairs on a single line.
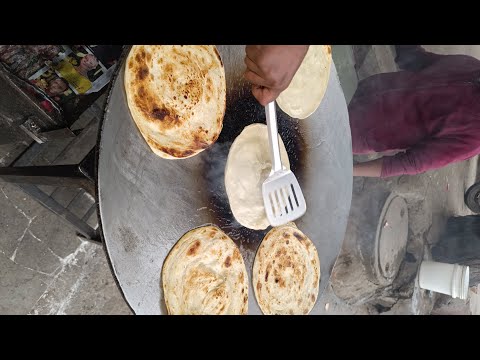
[[449, 279]]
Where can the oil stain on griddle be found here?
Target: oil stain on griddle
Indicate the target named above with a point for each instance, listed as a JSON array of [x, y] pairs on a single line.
[[243, 110]]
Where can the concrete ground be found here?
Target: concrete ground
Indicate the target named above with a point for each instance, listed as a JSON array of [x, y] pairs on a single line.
[[46, 269]]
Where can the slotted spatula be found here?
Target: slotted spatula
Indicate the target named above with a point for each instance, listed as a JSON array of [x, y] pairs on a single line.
[[282, 196]]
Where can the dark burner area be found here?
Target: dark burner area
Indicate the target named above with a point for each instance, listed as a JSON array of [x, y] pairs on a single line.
[[242, 111]]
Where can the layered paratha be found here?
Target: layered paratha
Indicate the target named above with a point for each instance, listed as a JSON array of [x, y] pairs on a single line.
[[286, 272], [204, 274], [176, 96]]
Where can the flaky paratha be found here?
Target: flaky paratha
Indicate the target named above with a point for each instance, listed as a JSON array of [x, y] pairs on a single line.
[[286, 272], [204, 274], [307, 88], [176, 96]]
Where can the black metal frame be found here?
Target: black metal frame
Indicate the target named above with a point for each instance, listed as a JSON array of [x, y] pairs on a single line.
[[74, 176]]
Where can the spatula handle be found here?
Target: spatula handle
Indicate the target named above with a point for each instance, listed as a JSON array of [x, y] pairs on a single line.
[[273, 136]]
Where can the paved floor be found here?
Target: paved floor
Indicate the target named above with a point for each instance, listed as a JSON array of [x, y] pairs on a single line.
[[45, 269]]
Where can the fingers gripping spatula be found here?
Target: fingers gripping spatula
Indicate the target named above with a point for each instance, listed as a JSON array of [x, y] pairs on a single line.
[[282, 196]]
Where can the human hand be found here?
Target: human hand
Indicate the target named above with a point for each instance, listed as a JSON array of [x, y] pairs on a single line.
[[270, 68]]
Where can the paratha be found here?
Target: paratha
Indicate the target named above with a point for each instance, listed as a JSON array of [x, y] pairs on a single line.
[[176, 95], [307, 88], [286, 272], [248, 165], [204, 274]]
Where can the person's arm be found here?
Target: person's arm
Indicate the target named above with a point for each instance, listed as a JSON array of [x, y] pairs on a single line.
[[270, 68], [429, 155], [369, 168]]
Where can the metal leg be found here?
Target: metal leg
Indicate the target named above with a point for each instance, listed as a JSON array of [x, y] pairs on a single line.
[[87, 166], [64, 176], [56, 175], [87, 231]]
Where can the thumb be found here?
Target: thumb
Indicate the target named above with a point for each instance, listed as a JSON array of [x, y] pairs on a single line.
[[264, 95]]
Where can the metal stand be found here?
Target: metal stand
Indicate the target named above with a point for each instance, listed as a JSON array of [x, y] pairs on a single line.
[[80, 176]]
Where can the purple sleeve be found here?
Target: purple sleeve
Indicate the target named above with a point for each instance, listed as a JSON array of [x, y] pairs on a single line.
[[429, 155]]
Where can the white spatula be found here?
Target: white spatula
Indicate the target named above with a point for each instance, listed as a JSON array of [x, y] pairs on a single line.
[[282, 196]]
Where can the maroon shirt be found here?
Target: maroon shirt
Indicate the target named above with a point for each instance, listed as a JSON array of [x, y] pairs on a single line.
[[433, 114]]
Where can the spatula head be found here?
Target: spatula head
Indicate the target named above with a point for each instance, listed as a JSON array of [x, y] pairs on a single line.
[[283, 198]]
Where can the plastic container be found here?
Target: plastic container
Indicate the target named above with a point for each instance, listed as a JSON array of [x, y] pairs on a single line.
[[449, 279]]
